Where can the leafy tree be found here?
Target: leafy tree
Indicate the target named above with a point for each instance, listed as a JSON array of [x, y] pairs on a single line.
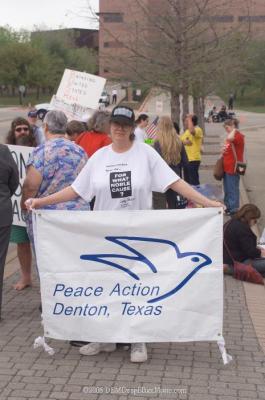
[[38, 61]]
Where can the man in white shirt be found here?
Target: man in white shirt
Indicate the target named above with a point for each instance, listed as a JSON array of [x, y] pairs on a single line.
[[141, 122], [114, 96]]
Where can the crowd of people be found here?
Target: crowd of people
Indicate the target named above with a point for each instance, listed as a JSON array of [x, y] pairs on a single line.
[[71, 168]]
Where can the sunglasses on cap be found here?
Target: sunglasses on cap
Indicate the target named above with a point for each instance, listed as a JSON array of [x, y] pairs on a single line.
[[23, 128]]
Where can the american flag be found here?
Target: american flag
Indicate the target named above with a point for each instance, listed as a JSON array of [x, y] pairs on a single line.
[[151, 129]]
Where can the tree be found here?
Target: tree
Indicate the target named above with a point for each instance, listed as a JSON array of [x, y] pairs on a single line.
[[59, 52], [177, 45], [38, 61]]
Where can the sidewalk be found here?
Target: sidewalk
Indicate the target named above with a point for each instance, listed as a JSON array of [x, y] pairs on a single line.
[[186, 371]]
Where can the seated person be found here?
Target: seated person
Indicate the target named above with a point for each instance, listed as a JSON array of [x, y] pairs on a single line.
[[240, 243], [223, 113], [213, 111]]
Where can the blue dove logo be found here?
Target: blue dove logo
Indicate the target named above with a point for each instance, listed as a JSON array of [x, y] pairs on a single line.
[[199, 260]]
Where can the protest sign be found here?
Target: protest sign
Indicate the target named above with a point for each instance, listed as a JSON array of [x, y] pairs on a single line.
[[21, 155], [80, 88], [146, 276], [72, 111]]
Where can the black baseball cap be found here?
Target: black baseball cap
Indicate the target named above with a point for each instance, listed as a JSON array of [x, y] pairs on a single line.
[[123, 115]]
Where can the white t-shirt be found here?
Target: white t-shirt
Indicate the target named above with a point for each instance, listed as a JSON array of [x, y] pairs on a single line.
[[140, 134], [124, 180]]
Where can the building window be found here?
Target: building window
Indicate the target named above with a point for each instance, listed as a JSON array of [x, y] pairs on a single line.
[[221, 18], [251, 18], [113, 45], [112, 17]]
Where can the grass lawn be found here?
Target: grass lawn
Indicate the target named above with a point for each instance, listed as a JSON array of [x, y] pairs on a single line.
[[14, 101], [250, 108]]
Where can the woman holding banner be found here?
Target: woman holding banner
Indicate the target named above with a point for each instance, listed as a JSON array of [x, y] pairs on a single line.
[[21, 134], [122, 176]]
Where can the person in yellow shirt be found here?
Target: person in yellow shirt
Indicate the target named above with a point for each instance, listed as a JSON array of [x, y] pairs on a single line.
[[192, 139]]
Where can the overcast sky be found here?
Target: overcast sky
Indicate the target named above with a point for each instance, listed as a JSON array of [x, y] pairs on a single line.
[[46, 13]]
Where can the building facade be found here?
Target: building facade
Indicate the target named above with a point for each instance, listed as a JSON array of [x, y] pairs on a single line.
[[125, 22]]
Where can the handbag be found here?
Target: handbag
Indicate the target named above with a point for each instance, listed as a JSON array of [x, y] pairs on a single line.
[[218, 171], [240, 166], [244, 272]]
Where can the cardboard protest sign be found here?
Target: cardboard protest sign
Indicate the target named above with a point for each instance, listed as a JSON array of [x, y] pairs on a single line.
[[80, 88], [21, 155], [72, 111], [139, 276]]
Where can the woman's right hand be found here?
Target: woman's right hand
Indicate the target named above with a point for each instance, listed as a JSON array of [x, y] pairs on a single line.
[[31, 204], [214, 203], [262, 252]]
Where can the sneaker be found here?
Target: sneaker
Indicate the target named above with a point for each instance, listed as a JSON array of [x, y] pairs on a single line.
[[138, 352], [92, 349]]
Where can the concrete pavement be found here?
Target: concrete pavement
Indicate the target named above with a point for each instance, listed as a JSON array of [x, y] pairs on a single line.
[[254, 179], [184, 371]]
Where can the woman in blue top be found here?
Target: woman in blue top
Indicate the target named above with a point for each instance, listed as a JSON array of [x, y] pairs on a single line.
[[53, 166]]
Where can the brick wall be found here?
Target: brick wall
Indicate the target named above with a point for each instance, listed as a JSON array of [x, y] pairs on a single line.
[[125, 21]]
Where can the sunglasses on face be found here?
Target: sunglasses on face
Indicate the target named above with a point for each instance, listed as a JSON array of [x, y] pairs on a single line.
[[24, 128]]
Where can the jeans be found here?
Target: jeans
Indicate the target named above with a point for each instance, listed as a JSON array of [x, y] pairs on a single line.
[[159, 201], [257, 263], [231, 192], [4, 241], [191, 173]]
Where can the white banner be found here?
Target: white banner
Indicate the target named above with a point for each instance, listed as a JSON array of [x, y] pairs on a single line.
[[21, 155], [81, 88], [146, 276]]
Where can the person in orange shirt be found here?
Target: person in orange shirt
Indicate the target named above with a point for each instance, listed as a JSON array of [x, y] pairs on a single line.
[[74, 128], [233, 151], [97, 135]]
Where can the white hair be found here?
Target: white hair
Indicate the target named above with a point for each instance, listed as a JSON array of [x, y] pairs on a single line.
[[56, 121]]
